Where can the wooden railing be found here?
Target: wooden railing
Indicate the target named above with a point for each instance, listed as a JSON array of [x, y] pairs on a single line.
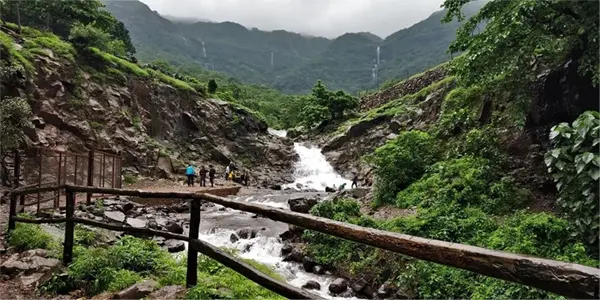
[[567, 279]]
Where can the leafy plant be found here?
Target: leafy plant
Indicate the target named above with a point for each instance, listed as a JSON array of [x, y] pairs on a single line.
[[400, 162], [31, 236], [574, 163], [15, 116]]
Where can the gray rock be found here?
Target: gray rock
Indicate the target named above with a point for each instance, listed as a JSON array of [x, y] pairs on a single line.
[[312, 285], [246, 233], [301, 205], [308, 263], [173, 227], [358, 285], [138, 290], [174, 246], [127, 207], [115, 216], [136, 223], [385, 290], [168, 292], [152, 224], [233, 238], [28, 263], [296, 256], [360, 192], [338, 286], [319, 270], [286, 249]]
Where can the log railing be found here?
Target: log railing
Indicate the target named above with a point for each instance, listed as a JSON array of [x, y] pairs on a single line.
[[567, 279]]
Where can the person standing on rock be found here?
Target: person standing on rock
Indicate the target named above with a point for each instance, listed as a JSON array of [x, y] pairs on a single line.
[[191, 173], [227, 173], [354, 181], [211, 175], [203, 176]]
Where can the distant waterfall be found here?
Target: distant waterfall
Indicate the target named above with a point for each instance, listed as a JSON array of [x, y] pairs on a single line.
[[203, 50], [272, 59], [375, 70], [378, 55]]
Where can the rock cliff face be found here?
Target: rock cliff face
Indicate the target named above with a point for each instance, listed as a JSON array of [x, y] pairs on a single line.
[[407, 87], [157, 128]]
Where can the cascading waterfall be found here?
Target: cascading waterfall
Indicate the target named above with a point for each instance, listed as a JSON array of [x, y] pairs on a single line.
[[272, 59], [313, 171], [203, 50], [375, 70], [378, 55]]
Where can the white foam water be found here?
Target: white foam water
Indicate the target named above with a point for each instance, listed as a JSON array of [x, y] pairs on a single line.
[[313, 171], [279, 133]]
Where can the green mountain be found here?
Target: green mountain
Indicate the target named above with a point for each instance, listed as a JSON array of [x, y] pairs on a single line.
[[285, 60]]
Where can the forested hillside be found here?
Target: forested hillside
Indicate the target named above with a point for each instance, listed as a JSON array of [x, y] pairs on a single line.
[[290, 62]]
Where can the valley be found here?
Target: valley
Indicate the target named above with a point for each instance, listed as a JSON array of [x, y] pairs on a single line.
[[493, 147]]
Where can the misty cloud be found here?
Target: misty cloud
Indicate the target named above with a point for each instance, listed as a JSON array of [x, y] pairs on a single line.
[[328, 18]]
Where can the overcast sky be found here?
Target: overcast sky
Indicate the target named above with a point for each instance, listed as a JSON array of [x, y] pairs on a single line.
[[329, 18]]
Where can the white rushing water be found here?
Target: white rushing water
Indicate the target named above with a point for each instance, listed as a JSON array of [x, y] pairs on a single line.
[[279, 133], [313, 171]]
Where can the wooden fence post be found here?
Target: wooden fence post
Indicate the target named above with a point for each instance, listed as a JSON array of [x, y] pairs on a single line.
[[39, 195], [17, 170], [69, 229], [90, 178], [58, 180], [13, 212], [192, 257]]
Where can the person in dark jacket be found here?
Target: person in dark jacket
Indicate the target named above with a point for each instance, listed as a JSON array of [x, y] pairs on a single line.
[[211, 175], [355, 181], [203, 172]]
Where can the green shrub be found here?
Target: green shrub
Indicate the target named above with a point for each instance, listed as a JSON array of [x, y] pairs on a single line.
[[400, 162], [119, 63], [459, 111], [467, 181], [122, 279], [52, 42], [176, 83], [31, 236], [16, 57], [574, 162]]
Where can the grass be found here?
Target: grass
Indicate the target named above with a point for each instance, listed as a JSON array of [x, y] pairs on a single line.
[[176, 83], [6, 41], [121, 64], [52, 42]]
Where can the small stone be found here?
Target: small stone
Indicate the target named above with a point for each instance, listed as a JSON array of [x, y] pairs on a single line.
[[127, 207], [138, 290], [319, 270], [312, 285], [338, 286], [233, 238], [115, 216], [246, 233], [152, 224], [136, 223], [174, 246]]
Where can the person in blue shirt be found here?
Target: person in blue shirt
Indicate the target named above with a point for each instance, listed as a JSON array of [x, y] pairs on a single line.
[[191, 173]]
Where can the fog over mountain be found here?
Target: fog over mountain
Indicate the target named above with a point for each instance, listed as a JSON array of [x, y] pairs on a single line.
[[328, 18]]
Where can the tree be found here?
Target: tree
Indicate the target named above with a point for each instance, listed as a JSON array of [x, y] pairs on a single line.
[[212, 86], [523, 37], [335, 102], [15, 115]]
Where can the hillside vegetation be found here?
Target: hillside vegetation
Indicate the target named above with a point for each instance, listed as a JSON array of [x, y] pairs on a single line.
[[477, 158], [345, 63]]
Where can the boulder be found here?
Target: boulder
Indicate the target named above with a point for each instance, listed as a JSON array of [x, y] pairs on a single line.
[[115, 216], [296, 255], [168, 292], [276, 187], [174, 246], [136, 223], [358, 285], [233, 238], [246, 233], [308, 263], [28, 263], [301, 205], [127, 207], [173, 227], [338, 286], [311, 285], [329, 190], [360, 192], [286, 249], [137, 291], [152, 224]]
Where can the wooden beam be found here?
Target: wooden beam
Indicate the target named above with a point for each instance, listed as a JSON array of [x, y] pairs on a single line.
[[141, 231], [567, 279], [39, 221], [69, 230], [26, 190], [192, 257], [249, 272]]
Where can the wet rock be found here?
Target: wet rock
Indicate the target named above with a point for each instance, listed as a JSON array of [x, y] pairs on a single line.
[[115, 216], [312, 285], [329, 190], [233, 238], [319, 270], [358, 285], [301, 205], [247, 248], [246, 233], [338, 286], [173, 227], [169, 292], [296, 255], [174, 246], [286, 249], [385, 290], [159, 240], [127, 207], [152, 224], [276, 187], [308, 263], [137, 291], [136, 223]]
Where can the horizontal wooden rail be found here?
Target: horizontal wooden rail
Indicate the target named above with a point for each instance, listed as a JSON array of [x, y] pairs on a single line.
[[39, 221], [567, 279]]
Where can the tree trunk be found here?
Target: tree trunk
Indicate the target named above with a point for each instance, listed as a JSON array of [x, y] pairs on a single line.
[[19, 17]]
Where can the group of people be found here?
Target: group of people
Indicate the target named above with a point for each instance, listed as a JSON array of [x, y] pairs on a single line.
[[190, 172], [231, 173]]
